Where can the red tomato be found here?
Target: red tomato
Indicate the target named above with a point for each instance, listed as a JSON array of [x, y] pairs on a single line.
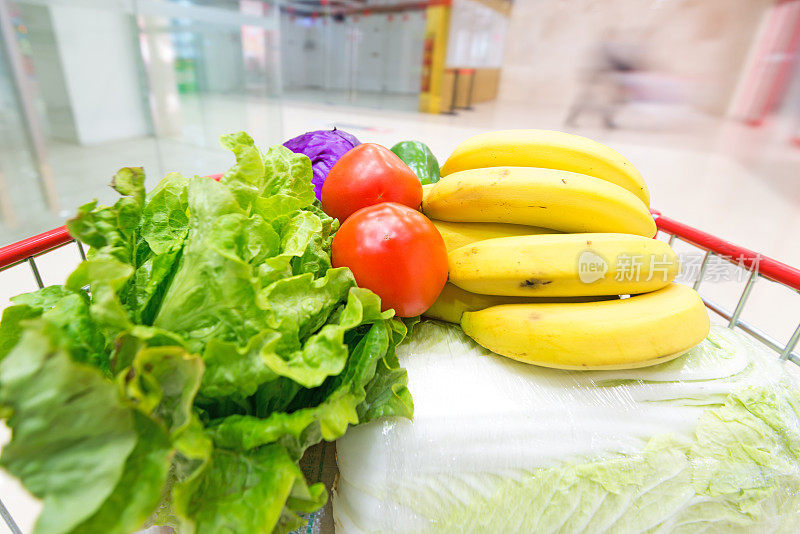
[[368, 174], [396, 252]]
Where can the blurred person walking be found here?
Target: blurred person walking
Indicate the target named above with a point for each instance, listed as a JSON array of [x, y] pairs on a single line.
[[604, 89]]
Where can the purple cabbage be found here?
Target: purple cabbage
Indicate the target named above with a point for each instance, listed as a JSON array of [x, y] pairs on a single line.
[[323, 148]]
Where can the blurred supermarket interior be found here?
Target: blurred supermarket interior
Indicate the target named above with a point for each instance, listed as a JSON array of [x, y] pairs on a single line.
[[703, 97]]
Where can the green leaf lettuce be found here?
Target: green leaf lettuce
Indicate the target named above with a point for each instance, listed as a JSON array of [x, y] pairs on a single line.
[[183, 369]]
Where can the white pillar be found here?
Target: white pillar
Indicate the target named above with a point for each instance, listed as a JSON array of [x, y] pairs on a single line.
[[97, 48]]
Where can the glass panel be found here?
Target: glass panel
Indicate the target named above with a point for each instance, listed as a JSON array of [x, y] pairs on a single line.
[[115, 83], [92, 112], [21, 197], [372, 60]]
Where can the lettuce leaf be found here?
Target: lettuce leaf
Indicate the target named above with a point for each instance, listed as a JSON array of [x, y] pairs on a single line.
[[342, 402], [72, 432], [182, 370], [253, 491], [138, 490], [66, 309]]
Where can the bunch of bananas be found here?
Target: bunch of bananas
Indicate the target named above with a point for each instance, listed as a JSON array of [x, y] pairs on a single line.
[[545, 231]]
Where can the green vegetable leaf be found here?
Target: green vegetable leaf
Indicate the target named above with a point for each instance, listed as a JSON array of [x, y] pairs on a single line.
[[110, 231], [353, 396], [27, 306], [274, 184], [214, 289], [214, 345], [149, 284], [138, 492], [296, 431], [231, 371], [82, 432], [105, 278], [162, 382], [165, 218], [129, 181], [420, 159], [386, 392], [748, 445], [11, 326], [302, 304], [68, 310], [255, 491]]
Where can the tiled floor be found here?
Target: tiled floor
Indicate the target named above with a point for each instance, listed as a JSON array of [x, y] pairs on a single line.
[[739, 183]]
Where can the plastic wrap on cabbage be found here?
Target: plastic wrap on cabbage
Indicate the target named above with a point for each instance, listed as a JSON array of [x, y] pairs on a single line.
[[323, 148], [709, 442]]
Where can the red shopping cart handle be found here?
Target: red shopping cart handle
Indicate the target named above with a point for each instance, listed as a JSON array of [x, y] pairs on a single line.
[[772, 269], [32, 246], [22, 250]]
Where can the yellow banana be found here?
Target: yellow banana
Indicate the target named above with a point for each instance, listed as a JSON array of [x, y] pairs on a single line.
[[561, 200], [564, 265], [454, 301], [426, 188], [458, 234], [616, 334], [548, 149]]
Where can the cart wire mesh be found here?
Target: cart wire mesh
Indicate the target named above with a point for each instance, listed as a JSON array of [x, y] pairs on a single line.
[[755, 265]]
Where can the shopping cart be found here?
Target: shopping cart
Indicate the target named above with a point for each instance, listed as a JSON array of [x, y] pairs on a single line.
[[757, 266]]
